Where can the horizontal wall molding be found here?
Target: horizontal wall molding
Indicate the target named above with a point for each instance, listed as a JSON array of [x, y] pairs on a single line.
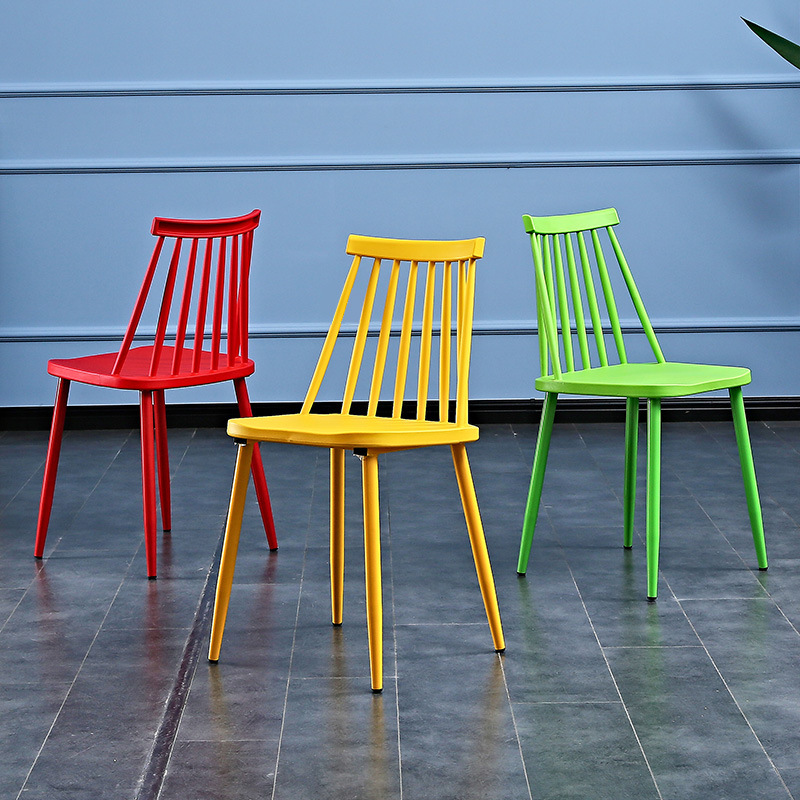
[[524, 161], [182, 89], [480, 328]]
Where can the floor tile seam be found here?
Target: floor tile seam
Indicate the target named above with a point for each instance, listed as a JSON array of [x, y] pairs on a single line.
[[437, 624], [17, 605], [394, 643], [232, 740], [719, 530], [616, 687], [154, 770], [294, 629], [173, 472], [16, 494], [359, 676], [567, 703], [652, 647], [735, 701], [72, 683], [515, 726], [760, 496], [93, 490], [768, 598], [781, 439]]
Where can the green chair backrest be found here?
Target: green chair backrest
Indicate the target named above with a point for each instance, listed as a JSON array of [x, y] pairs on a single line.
[[571, 313]]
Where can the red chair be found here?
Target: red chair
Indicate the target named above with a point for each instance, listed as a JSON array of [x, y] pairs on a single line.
[[215, 275]]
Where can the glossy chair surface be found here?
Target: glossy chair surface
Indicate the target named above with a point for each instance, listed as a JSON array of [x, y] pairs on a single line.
[[404, 322], [192, 309], [578, 264]]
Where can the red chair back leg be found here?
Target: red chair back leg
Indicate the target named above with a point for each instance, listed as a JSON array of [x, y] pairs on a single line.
[[257, 468], [162, 460]]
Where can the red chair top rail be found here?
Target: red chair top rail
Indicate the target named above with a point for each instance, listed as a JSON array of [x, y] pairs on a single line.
[[205, 228]]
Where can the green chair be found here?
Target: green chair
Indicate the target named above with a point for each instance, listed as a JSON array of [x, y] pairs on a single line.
[[574, 332]]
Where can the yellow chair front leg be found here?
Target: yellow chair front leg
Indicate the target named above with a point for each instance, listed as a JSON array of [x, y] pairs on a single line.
[[337, 534], [233, 528], [479, 552], [372, 559]]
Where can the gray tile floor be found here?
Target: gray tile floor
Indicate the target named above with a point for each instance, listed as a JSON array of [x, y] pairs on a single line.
[[106, 691]]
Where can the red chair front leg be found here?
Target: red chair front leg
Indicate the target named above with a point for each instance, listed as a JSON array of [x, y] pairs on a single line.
[[148, 482], [162, 459], [51, 466], [257, 469]]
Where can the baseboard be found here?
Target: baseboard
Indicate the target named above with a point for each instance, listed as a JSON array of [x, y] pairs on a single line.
[[482, 412]]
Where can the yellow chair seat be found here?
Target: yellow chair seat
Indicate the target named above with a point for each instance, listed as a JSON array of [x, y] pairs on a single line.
[[350, 431]]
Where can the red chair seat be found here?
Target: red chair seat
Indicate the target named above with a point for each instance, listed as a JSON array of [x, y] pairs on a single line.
[[97, 370]]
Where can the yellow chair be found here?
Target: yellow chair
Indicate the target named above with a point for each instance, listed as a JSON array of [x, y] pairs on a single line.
[[379, 425]]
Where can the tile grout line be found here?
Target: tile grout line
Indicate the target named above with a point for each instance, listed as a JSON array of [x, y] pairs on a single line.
[[91, 492], [616, 685], [731, 694], [515, 726], [294, 630], [394, 642], [503, 668], [151, 780], [75, 679]]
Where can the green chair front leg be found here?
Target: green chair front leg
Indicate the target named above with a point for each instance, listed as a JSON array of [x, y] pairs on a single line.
[[537, 480], [653, 493]]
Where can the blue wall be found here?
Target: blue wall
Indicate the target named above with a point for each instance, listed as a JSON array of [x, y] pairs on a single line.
[[414, 119]]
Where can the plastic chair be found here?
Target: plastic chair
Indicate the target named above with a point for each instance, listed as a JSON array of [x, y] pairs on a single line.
[[572, 334], [211, 258], [373, 428]]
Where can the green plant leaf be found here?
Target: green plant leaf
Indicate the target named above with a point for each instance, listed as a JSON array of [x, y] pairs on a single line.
[[783, 47]]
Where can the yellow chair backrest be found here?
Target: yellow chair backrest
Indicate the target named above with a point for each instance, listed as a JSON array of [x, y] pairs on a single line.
[[436, 306]]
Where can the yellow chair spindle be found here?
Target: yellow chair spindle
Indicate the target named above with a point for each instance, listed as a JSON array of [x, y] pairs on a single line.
[[445, 341], [425, 342], [465, 350], [330, 339], [383, 340], [404, 348], [361, 338]]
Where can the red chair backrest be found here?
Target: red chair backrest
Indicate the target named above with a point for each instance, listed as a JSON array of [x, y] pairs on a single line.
[[216, 274]]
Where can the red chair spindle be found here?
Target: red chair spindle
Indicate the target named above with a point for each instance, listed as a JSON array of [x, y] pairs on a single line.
[[166, 302], [186, 300], [130, 331], [219, 297], [202, 309]]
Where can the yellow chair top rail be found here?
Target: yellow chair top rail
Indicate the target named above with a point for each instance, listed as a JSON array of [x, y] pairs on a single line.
[[413, 293]]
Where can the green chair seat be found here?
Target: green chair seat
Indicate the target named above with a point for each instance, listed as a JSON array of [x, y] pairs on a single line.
[[582, 352], [665, 379]]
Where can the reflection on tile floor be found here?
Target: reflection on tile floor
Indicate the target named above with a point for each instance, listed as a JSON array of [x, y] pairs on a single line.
[[106, 691]]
